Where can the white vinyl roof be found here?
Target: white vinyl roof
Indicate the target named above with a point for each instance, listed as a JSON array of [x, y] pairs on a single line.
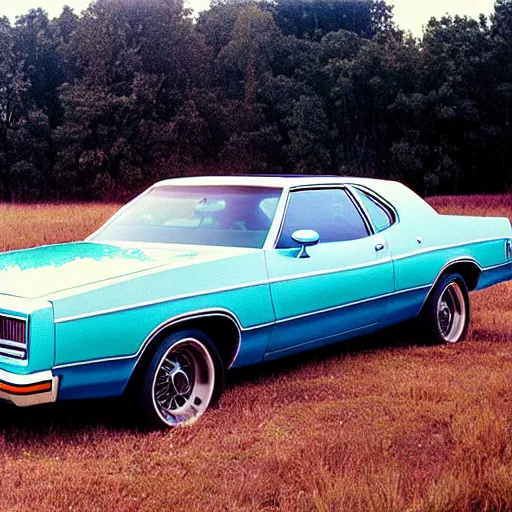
[[278, 181], [401, 197]]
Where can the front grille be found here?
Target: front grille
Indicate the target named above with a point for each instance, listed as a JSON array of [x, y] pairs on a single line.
[[13, 337]]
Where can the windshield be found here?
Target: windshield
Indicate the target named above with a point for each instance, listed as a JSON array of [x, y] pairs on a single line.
[[224, 216]]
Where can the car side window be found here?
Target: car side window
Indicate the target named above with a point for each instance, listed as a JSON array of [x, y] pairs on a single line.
[[330, 212], [381, 216]]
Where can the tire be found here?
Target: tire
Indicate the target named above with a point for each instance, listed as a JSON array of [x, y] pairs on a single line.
[[445, 316], [184, 377]]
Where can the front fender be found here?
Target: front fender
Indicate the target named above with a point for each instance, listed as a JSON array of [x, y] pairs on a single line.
[[40, 338]]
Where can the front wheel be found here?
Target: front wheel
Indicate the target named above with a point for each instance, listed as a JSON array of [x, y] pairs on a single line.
[[445, 316], [185, 376]]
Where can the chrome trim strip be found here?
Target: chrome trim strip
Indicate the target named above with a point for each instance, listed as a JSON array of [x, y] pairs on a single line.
[[339, 335], [220, 312], [494, 267], [95, 361], [327, 272], [270, 281], [158, 301], [14, 344], [335, 184], [441, 272], [462, 260], [191, 316], [167, 323], [29, 380], [350, 304], [7, 352], [217, 290], [451, 246], [259, 326], [14, 317], [241, 329], [25, 380]]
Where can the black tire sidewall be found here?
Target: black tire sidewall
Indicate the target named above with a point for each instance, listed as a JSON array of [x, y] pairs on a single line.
[[429, 323]]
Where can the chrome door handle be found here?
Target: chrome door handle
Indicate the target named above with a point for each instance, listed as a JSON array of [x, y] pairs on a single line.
[[379, 247]]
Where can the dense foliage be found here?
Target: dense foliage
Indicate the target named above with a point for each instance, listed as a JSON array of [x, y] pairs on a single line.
[[101, 104]]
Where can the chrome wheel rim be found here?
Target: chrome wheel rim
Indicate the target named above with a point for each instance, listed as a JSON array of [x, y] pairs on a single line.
[[183, 383], [451, 313]]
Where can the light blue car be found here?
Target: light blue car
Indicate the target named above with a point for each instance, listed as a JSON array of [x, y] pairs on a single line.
[[199, 275]]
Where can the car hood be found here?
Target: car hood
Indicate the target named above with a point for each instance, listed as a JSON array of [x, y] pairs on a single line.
[[41, 271]]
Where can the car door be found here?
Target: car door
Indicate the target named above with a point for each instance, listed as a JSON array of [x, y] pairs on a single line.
[[337, 290]]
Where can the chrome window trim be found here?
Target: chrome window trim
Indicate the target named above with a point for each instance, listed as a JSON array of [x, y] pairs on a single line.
[[281, 220], [277, 220], [379, 199], [356, 191], [335, 186], [362, 207], [362, 212]]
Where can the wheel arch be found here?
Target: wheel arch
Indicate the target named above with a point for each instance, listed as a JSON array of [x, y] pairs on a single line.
[[220, 325], [468, 268]]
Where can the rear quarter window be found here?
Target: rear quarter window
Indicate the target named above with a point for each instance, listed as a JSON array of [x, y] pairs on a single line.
[[381, 216]]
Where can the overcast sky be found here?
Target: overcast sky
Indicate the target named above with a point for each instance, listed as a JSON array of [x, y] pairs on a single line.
[[409, 14]]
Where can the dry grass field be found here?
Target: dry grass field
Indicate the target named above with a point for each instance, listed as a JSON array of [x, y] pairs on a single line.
[[378, 424]]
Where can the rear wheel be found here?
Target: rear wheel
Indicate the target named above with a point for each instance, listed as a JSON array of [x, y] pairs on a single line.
[[445, 316], [184, 377]]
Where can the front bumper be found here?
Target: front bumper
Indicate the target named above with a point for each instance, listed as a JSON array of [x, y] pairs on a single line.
[[26, 390]]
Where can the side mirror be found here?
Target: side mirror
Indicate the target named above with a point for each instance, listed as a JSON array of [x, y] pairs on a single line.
[[306, 238]]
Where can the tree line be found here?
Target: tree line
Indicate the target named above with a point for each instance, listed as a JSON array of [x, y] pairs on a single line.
[[101, 104]]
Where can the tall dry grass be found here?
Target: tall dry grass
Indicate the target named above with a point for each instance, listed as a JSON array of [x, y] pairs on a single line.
[[40, 224], [377, 424]]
